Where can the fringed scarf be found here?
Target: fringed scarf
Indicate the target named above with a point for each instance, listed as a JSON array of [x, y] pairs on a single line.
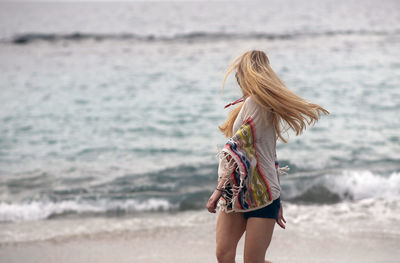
[[249, 186]]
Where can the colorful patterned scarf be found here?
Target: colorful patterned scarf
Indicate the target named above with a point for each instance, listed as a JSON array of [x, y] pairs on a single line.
[[247, 188]]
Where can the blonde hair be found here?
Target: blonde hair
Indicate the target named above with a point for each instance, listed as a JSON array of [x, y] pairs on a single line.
[[257, 80]]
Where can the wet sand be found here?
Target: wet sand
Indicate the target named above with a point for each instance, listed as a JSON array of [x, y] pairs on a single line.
[[196, 243]]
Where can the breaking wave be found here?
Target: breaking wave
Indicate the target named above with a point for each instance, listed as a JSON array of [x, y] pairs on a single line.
[[328, 188]]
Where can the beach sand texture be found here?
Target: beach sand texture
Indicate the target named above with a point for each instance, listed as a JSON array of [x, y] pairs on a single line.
[[194, 241]]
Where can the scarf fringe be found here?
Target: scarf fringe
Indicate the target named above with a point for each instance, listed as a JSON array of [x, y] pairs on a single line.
[[283, 170], [230, 165]]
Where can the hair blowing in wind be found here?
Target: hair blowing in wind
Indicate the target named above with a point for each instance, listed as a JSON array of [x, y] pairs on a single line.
[[258, 80]]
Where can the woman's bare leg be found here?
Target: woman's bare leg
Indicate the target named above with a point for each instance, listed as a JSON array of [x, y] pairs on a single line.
[[230, 228], [258, 237]]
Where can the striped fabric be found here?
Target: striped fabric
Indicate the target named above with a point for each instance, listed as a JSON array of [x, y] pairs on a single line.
[[249, 186]]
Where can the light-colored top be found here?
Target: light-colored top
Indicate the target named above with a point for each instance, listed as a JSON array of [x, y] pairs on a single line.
[[265, 141]]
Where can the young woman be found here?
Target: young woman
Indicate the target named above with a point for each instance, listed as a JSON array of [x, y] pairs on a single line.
[[248, 191]]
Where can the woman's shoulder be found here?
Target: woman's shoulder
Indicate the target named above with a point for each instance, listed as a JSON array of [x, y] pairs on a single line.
[[251, 106], [259, 114]]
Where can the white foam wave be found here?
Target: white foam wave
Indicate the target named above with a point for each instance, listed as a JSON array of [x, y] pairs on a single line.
[[346, 219], [67, 228], [37, 210], [365, 184], [347, 185]]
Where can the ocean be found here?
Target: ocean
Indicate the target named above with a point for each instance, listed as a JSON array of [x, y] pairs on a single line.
[[109, 112]]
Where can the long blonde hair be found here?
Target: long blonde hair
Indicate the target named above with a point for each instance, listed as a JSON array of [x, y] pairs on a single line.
[[257, 79]]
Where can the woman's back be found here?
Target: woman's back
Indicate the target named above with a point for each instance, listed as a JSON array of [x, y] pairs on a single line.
[[265, 140]]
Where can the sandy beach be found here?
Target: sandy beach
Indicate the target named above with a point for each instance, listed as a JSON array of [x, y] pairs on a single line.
[[194, 241]]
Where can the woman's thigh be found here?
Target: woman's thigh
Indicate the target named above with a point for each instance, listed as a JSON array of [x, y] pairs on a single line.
[[230, 228], [258, 237]]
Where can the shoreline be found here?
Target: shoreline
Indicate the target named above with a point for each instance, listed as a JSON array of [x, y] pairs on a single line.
[[195, 242]]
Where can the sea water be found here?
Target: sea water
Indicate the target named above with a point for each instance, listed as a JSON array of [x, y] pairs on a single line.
[[110, 111]]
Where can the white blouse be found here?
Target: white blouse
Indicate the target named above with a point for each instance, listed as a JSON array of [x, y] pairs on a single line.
[[265, 143]]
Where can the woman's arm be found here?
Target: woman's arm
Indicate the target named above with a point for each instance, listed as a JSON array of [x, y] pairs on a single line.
[[280, 220], [223, 172], [223, 178], [279, 177]]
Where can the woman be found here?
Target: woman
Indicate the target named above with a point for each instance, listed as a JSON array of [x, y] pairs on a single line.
[[248, 191]]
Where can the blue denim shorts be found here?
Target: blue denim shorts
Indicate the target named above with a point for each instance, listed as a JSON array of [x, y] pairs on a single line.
[[269, 211]]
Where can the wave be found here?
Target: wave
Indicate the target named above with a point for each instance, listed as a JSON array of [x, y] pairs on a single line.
[[185, 188], [27, 38], [349, 185], [37, 210]]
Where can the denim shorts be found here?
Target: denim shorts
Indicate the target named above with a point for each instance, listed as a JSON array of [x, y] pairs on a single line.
[[269, 211]]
